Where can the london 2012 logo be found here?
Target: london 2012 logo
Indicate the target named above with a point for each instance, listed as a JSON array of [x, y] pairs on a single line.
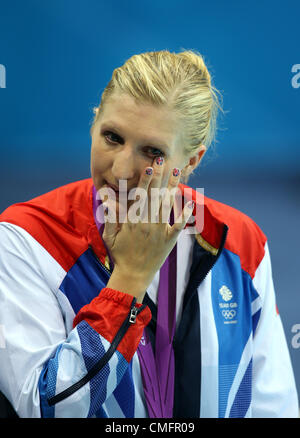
[[227, 307]]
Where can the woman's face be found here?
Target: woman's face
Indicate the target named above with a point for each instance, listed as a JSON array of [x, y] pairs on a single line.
[[127, 138]]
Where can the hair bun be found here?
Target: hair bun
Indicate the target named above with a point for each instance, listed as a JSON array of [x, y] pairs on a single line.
[[194, 58]]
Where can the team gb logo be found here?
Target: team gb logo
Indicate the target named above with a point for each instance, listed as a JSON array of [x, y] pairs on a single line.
[[225, 293]]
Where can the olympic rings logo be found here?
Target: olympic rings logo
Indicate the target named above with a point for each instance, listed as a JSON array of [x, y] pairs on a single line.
[[229, 314]]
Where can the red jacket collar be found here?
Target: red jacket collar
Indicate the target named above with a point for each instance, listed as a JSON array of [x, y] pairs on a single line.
[[209, 229]]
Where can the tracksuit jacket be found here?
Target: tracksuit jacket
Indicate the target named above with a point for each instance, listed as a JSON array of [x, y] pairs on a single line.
[[69, 343]]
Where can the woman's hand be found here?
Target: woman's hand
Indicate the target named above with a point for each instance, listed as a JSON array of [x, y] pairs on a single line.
[[141, 245]]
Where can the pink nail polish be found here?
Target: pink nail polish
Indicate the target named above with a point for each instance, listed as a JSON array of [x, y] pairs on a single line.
[[176, 171], [159, 161]]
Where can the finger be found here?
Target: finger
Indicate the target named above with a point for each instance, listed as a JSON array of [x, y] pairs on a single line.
[[154, 196], [158, 169], [140, 196], [146, 178], [182, 220], [172, 191]]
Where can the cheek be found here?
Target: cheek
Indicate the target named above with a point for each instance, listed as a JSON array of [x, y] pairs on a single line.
[[98, 164], [94, 160], [97, 155]]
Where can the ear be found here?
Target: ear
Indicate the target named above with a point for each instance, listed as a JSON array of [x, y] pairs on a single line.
[[193, 162], [196, 159]]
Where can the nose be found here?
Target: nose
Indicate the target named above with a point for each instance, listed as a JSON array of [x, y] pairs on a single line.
[[124, 164]]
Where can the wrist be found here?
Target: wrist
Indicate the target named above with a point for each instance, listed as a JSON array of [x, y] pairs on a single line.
[[127, 283]]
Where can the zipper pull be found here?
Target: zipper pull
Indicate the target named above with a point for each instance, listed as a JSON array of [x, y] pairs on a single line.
[[133, 315]]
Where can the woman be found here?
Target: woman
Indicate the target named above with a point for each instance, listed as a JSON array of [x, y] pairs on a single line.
[[111, 311]]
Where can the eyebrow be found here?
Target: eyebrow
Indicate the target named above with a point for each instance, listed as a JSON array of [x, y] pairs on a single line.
[[151, 141]]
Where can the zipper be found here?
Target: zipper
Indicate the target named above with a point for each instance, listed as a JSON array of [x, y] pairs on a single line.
[[130, 319], [133, 314]]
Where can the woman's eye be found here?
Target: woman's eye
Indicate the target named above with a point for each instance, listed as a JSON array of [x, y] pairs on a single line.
[[155, 152], [111, 137]]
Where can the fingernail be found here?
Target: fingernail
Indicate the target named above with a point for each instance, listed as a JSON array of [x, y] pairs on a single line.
[[149, 171], [159, 161], [176, 171]]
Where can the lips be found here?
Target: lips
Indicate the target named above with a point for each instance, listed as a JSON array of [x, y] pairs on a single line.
[[112, 186], [115, 188], [121, 195]]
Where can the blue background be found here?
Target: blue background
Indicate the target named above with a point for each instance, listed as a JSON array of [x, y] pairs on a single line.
[[59, 56]]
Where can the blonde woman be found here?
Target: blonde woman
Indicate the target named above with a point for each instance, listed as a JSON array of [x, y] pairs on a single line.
[[109, 309]]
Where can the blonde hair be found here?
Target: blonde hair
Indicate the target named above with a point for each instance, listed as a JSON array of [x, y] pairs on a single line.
[[180, 81]]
